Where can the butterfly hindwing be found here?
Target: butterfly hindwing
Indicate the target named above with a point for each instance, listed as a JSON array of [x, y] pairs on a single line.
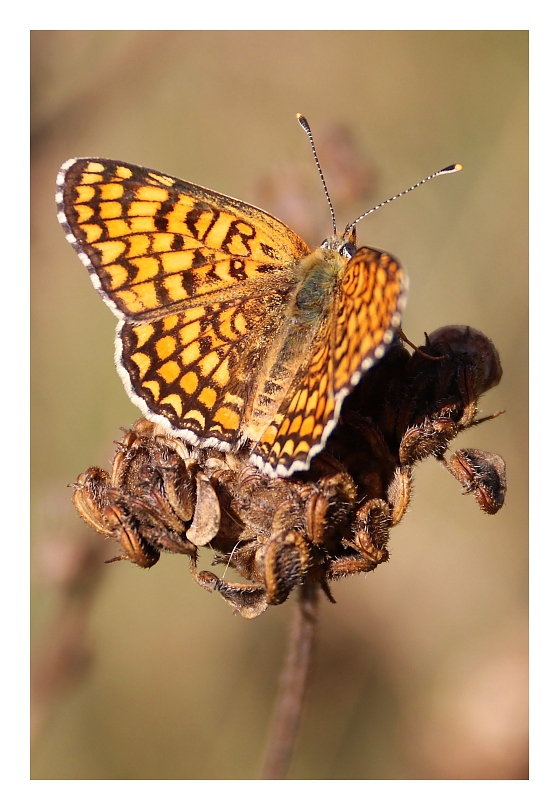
[[197, 369]]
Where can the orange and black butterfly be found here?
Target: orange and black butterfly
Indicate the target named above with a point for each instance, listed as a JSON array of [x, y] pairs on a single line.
[[231, 330]]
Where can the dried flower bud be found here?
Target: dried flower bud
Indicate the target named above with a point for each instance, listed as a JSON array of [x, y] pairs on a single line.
[[482, 474], [90, 498], [470, 342]]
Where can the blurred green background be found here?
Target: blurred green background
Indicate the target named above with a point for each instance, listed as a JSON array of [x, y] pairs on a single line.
[[421, 668]]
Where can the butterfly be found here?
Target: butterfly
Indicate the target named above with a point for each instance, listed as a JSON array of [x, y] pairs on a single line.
[[231, 332]]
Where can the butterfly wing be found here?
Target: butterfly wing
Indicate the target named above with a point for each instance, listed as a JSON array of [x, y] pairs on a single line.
[[195, 371], [367, 312], [197, 280], [153, 243]]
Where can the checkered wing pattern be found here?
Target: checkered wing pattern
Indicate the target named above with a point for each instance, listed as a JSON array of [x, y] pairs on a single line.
[[230, 330], [365, 314], [198, 281]]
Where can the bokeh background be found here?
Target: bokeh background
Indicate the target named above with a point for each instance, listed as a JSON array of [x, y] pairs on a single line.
[[421, 667]]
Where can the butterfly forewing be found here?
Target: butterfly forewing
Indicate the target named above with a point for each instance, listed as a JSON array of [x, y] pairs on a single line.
[[155, 243]]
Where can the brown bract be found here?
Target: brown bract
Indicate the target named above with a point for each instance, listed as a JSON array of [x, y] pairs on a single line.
[[317, 526]]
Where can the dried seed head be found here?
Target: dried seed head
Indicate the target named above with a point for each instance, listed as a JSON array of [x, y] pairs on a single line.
[[328, 522]]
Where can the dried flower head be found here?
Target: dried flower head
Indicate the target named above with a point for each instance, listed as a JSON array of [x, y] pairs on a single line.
[[320, 525]]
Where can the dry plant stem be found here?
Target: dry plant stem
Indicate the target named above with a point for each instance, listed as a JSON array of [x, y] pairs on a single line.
[[293, 684], [65, 652]]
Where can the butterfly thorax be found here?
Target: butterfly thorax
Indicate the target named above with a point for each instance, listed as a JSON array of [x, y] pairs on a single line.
[[321, 272]]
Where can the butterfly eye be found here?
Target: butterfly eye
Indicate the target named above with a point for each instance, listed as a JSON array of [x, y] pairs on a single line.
[[347, 250], [325, 244]]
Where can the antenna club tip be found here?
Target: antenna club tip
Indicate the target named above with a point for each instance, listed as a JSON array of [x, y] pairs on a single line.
[[456, 167], [303, 121]]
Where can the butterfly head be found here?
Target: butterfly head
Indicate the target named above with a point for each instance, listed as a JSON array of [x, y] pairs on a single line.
[[346, 246]]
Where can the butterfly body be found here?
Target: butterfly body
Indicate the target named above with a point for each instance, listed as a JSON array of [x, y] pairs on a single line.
[[231, 330]]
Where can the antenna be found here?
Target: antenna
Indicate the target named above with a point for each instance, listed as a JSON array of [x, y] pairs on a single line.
[[456, 167], [305, 124]]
